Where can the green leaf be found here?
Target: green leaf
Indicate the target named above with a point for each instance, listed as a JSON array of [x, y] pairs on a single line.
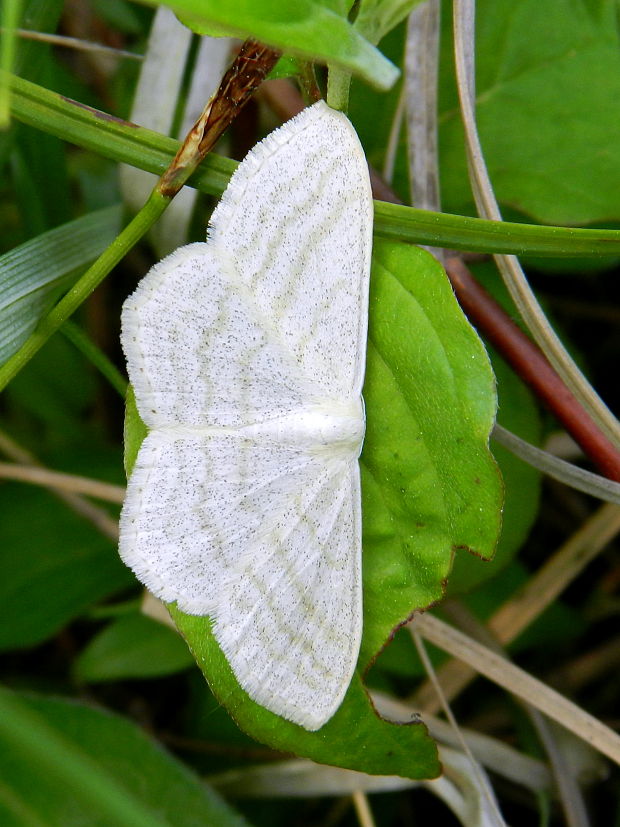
[[429, 485], [286, 67], [548, 106], [134, 431], [133, 646], [307, 28], [64, 764], [33, 274], [518, 412], [53, 565]]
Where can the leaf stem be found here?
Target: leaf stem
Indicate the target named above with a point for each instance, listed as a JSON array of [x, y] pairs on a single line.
[[65, 482], [532, 366], [338, 85]]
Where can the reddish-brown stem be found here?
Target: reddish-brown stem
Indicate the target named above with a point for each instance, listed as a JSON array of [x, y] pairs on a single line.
[[492, 321], [530, 364]]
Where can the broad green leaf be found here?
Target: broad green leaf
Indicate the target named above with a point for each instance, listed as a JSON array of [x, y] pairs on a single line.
[[429, 486], [133, 646], [429, 483], [548, 107], [65, 764], [53, 565], [308, 28], [33, 274], [286, 67]]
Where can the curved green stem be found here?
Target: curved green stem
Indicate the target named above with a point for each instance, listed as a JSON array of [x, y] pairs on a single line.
[[144, 149], [132, 233]]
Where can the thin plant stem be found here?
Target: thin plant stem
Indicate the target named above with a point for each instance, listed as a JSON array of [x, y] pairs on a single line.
[[95, 356], [528, 603], [64, 482], [517, 681], [10, 12], [362, 809], [479, 775], [338, 84], [74, 43], [578, 478], [82, 289], [95, 515]]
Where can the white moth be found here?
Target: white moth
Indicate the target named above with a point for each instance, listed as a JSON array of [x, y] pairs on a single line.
[[247, 354]]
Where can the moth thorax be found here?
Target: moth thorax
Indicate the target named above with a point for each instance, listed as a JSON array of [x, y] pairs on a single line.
[[334, 429]]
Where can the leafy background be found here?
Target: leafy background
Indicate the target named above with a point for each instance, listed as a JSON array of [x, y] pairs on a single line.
[[95, 687]]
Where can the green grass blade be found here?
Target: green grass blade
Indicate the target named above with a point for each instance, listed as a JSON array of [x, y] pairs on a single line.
[[33, 274], [10, 12]]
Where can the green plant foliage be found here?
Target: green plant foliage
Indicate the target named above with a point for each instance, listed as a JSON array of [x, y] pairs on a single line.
[[65, 764], [311, 29], [548, 101], [378, 17], [354, 738], [132, 646], [134, 431], [53, 565], [33, 274], [429, 485], [548, 105]]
